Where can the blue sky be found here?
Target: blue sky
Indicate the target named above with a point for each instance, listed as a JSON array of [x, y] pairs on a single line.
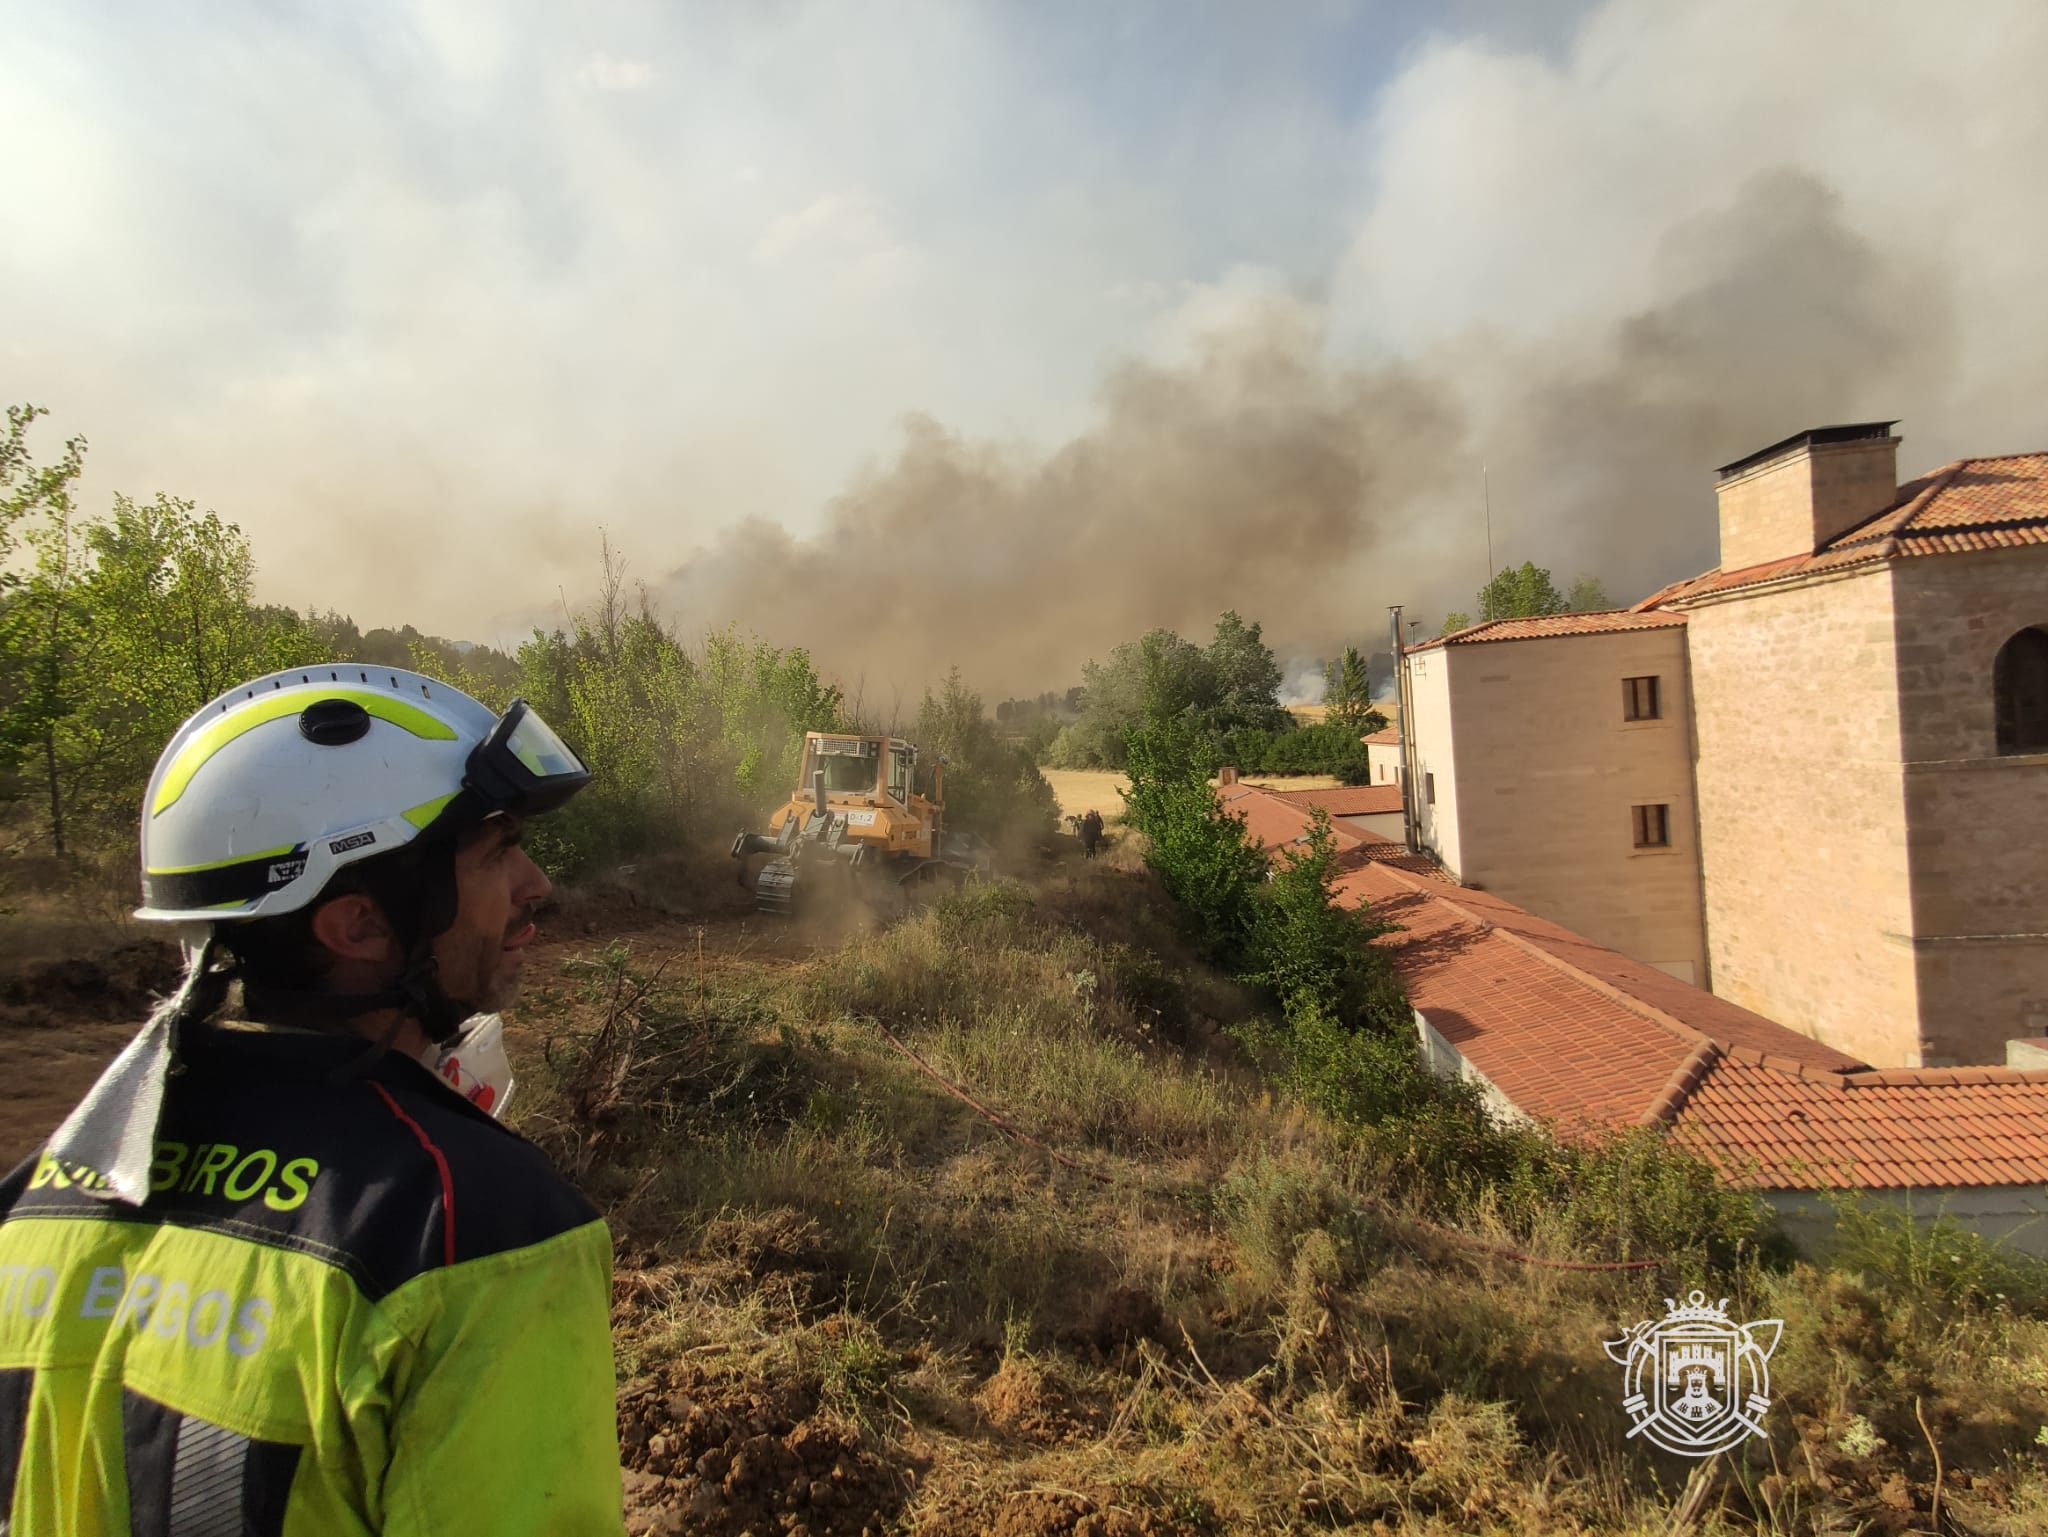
[[422, 292]]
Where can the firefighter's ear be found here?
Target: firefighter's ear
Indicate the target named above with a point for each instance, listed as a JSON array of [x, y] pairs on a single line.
[[353, 928]]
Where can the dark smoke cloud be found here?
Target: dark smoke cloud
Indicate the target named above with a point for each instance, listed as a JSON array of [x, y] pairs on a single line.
[[1780, 317], [1244, 477], [1258, 475]]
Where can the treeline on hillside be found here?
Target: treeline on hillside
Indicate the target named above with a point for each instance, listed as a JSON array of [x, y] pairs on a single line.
[[1225, 697], [1528, 592], [115, 628]]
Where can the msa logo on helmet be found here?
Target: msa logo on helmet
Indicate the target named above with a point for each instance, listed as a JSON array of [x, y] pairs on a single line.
[[359, 841], [284, 871]]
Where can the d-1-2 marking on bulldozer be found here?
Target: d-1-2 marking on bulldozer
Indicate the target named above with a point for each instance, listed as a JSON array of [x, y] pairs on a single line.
[[857, 825]]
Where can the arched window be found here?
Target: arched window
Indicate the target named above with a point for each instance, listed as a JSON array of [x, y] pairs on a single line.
[[2019, 683]]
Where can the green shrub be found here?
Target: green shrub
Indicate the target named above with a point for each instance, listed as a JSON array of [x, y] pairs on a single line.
[[1933, 1265], [1198, 849], [1333, 748]]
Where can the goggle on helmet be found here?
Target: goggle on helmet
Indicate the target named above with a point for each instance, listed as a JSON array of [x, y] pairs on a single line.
[[270, 789]]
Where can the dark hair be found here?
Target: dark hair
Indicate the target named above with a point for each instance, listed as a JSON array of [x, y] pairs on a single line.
[[414, 885], [282, 952]]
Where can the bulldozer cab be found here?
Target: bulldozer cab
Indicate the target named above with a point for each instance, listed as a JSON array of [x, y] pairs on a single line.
[[851, 764], [862, 768]]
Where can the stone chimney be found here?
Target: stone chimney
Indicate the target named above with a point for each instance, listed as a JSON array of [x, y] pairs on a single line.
[[1793, 497]]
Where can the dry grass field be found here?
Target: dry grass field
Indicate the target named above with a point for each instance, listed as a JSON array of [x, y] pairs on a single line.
[[1079, 789], [848, 1302]]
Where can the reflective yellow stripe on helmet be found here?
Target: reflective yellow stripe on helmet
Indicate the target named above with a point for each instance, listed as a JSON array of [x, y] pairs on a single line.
[[426, 811], [260, 712]]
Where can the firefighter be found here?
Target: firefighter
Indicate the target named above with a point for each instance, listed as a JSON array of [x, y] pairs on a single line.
[[1091, 831], [282, 1270]]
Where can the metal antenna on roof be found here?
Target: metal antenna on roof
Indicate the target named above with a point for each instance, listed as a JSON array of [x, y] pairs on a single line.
[[1486, 496]]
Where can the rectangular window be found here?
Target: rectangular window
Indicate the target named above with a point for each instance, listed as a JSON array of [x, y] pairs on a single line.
[[1429, 788], [1653, 827], [1639, 699], [899, 774]]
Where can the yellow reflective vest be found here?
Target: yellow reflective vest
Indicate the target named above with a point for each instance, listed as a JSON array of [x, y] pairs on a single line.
[[352, 1303]]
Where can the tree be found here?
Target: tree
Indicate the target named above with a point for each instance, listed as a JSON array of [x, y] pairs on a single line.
[[1158, 674], [1199, 849], [1347, 689], [1527, 592], [1520, 592], [1588, 596], [1312, 952], [120, 629], [44, 632], [1244, 677], [1230, 684], [170, 600], [993, 787], [1457, 619]]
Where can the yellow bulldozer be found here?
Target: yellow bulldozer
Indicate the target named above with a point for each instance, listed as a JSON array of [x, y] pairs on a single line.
[[857, 826]]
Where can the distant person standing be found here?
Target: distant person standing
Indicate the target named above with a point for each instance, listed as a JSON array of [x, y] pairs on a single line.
[[282, 1270], [1091, 832]]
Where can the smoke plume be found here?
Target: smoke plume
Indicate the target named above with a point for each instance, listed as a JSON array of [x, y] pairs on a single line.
[[1259, 475], [1248, 476], [994, 337]]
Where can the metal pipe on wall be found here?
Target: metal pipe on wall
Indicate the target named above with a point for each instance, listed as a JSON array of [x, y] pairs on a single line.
[[1406, 708]]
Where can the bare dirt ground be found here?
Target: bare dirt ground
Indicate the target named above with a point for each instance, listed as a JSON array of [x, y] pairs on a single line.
[[73, 991]]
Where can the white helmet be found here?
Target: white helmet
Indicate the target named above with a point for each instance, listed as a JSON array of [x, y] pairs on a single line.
[[267, 791]]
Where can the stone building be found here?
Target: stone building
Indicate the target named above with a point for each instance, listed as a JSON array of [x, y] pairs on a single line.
[[1549, 1026], [1863, 683], [1553, 765]]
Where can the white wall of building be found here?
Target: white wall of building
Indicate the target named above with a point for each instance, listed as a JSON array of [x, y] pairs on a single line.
[[1386, 823], [1433, 797]]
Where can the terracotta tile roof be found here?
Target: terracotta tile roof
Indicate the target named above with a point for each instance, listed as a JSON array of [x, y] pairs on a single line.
[[1973, 504], [1575, 1033], [1549, 626], [1557, 1049], [1391, 737], [1569, 1031], [1275, 822], [1774, 1129], [1695, 1013], [1349, 801], [1374, 849]]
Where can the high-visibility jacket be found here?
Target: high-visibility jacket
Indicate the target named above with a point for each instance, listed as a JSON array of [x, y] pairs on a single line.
[[352, 1303]]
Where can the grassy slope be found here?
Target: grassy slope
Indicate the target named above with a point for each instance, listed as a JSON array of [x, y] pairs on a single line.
[[846, 1302]]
